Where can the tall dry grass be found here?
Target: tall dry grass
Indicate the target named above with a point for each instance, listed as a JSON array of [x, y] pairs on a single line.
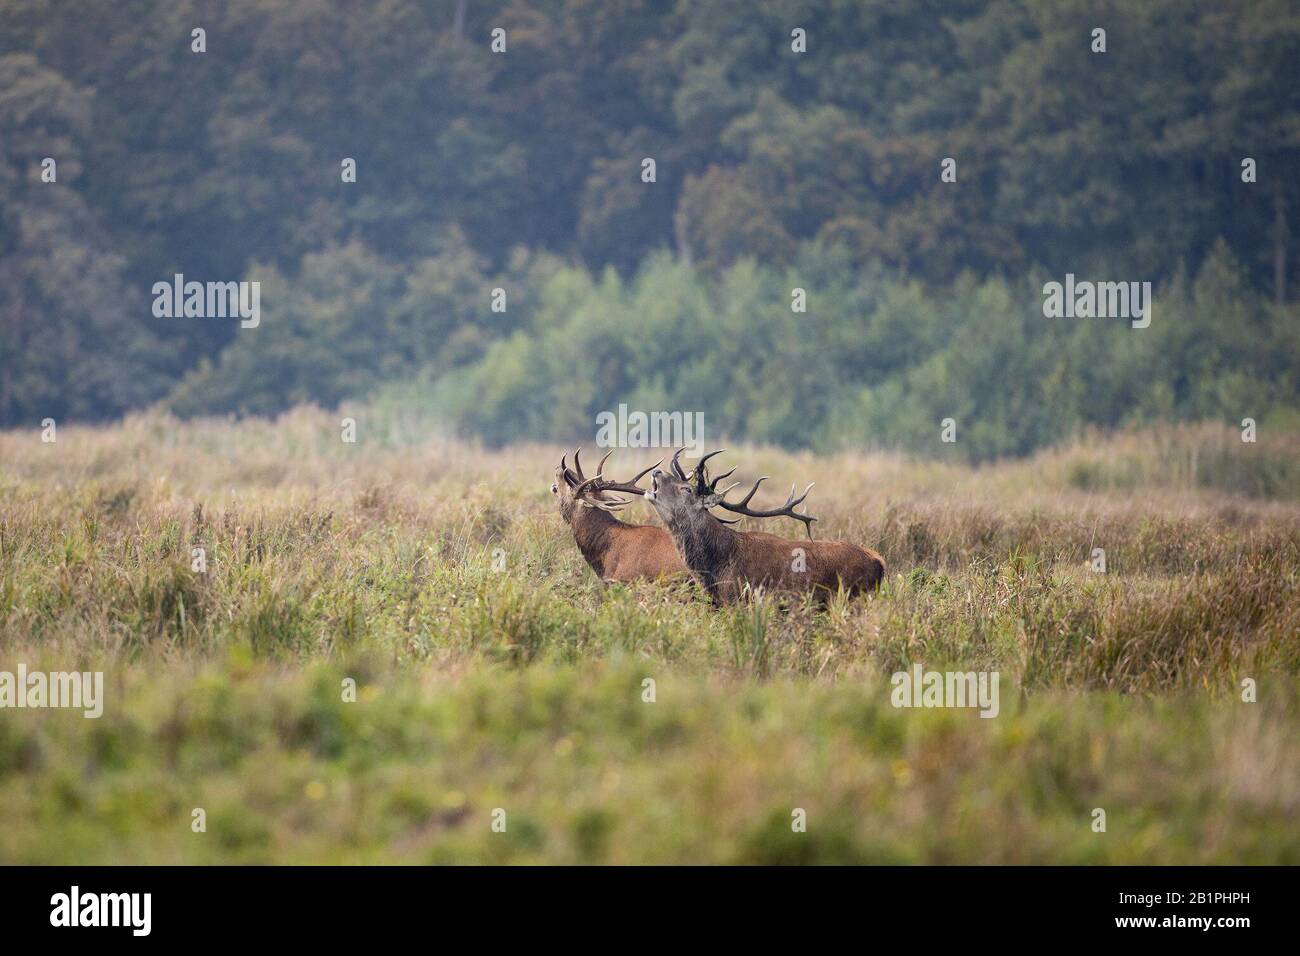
[[314, 545]]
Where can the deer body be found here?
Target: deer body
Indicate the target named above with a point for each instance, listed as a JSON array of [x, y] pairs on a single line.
[[618, 551], [726, 561]]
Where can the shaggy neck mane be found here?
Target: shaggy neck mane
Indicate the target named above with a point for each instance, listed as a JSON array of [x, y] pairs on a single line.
[[706, 544]]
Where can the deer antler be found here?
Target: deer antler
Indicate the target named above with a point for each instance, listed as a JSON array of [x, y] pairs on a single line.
[[565, 470], [703, 486], [574, 475], [599, 483], [677, 465], [701, 475], [787, 509]]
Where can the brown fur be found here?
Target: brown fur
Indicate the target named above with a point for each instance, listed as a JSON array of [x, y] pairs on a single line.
[[617, 551], [726, 561]]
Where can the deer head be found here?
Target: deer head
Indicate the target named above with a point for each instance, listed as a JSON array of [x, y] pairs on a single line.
[[574, 490], [683, 500]]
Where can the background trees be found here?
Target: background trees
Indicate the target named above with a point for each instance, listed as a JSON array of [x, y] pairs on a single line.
[[774, 170]]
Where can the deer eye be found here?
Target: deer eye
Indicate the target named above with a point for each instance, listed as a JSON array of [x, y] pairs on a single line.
[[554, 490]]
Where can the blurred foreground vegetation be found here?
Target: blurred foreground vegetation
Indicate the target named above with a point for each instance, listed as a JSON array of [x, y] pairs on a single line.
[[586, 772]]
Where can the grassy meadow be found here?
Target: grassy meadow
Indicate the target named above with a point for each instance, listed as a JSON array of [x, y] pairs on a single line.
[[494, 671]]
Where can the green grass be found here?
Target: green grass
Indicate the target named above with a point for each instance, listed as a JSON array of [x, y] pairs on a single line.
[[521, 687]]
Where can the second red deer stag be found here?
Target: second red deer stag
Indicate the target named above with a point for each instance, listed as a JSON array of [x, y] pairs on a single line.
[[615, 550], [727, 561]]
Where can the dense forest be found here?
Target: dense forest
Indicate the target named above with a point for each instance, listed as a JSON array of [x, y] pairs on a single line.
[[796, 146]]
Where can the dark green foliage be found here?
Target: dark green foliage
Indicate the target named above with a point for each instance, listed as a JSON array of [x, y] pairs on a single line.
[[875, 361], [774, 170]]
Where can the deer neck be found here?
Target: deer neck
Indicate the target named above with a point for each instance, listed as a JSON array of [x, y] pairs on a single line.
[[707, 545], [593, 530]]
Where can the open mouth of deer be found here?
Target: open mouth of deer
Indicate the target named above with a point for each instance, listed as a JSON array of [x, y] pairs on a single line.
[[654, 487]]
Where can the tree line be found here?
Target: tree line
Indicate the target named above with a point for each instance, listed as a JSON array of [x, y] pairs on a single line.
[[775, 169]]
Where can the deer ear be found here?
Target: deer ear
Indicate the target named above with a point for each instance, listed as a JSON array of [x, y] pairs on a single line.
[[711, 501]]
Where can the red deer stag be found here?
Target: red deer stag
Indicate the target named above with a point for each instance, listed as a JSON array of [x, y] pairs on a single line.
[[615, 550], [726, 561]]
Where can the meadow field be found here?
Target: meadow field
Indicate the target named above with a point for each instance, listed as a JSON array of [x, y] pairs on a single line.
[[495, 672]]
